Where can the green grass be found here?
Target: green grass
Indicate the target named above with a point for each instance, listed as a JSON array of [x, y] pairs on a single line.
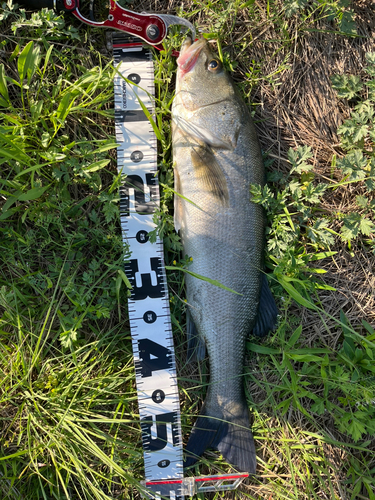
[[69, 427]]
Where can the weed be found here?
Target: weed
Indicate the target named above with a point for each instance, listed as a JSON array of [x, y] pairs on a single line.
[[357, 134], [66, 392]]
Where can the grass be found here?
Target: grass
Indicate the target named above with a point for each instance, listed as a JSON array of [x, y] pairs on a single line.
[[69, 427]]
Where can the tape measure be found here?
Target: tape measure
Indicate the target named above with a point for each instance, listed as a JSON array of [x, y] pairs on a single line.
[[148, 306]]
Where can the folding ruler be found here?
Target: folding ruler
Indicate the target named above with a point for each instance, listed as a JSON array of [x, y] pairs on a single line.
[[149, 312]]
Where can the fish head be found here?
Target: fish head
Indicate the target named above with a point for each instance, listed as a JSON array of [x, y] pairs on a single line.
[[201, 77]]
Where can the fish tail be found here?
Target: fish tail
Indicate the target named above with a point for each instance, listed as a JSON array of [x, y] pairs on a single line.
[[230, 435]]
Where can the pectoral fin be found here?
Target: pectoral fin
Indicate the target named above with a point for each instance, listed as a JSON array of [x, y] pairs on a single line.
[[209, 173]]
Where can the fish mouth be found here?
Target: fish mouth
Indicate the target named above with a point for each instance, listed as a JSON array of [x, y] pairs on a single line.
[[189, 54]]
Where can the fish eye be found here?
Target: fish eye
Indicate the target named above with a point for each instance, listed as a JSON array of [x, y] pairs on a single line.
[[213, 65]]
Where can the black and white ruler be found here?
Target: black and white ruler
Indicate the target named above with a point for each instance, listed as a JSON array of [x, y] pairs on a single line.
[[148, 305], [149, 312]]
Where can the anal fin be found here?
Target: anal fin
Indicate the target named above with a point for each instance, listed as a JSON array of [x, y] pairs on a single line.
[[267, 311]]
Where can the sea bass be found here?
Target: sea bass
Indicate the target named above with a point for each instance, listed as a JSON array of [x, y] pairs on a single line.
[[217, 156]]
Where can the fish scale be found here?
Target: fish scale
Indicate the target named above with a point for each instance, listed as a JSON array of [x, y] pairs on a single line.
[[225, 261]]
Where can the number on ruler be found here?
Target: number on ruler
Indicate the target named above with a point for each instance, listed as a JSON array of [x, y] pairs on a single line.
[[141, 206], [161, 422], [146, 288], [161, 358]]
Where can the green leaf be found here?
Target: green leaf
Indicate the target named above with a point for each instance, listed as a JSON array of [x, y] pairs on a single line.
[[304, 357], [347, 23], [46, 59], [119, 281], [361, 201], [370, 181], [325, 287], [320, 234], [3, 85], [98, 165], [284, 405], [295, 336], [10, 201], [8, 213], [31, 169], [318, 407], [353, 164], [28, 61], [297, 159], [203, 278], [33, 194], [13, 154], [68, 338], [147, 113], [314, 193], [347, 86], [36, 110], [262, 196], [360, 133], [110, 211], [12, 151], [310, 350], [124, 278], [45, 139], [354, 225], [371, 85], [370, 58], [65, 105], [321, 255], [349, 348], [345, 323], [364, 112], [293, 6], [366, 226], [106, 146], [368, 327], [356, 429], [261, 349], [295, 294], [14, 455]]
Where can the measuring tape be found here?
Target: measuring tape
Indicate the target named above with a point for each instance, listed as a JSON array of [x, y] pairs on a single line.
[[149, 313]]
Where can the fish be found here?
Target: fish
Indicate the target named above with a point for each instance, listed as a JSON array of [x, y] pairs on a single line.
[[217, 156]]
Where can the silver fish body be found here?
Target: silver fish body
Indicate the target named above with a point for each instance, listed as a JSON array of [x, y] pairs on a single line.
[[217, 156]]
